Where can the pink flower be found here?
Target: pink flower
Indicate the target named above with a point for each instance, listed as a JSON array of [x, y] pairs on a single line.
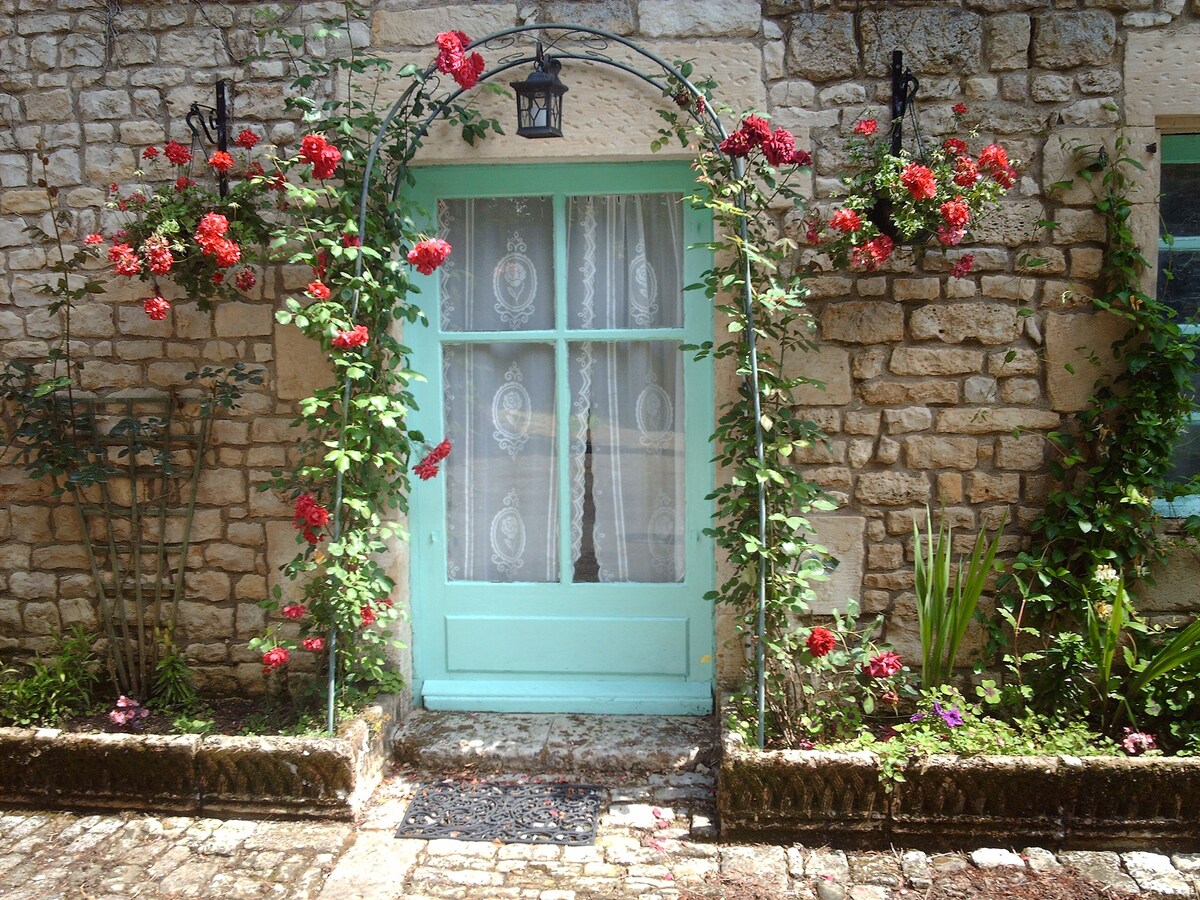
[[313, 644], [993, 158], [247, 139], [955, 212], [820, 641], [221, 161], [964, 265], [178, 154], [428, 255], [959, 109], [919, 180], [246, 279], [317, 290], [275, 657], [156, 307], [355, 337], [1138, 742], [294, 611], [951, 236], [866, 127], [94, 238], [884, 665], [846, 221]]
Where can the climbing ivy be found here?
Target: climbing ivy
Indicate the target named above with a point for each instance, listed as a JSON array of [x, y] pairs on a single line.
[[1115, 459]]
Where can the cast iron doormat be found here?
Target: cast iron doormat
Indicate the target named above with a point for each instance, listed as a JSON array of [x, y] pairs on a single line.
[[508, 813]]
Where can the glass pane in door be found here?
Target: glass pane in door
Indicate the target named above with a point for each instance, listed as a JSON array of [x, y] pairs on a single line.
[[626, 461], [501, 478]]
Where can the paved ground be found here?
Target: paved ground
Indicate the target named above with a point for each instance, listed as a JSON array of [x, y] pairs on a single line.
[[654, 841]]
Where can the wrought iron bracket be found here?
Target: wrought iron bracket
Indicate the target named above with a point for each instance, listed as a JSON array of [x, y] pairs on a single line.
[[204, 121], [904, 89]]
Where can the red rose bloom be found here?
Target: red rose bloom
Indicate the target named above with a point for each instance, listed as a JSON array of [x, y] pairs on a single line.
[[801, 158], [275, 657], [426, 470], [966, 173], [368, 616], [954, 146], [884, 665], [295, 611], [309, 515], [820, 641], [311, 146], [428, 467], [737, 145], [919, 180], [780, 147], [246, 280], [467, 75], [351, 240], [845, 220], [178, 154], [757, 130], [450, 50], [221, 161], [866, 127], [150, 153], [247, 139], [428, 255], [963, 266], [320, 265], [440, 452], [955, 212], [156, 307], [993, 158], [327, 162], [317, 290], [124, 260], [313, 644], [355, 337]]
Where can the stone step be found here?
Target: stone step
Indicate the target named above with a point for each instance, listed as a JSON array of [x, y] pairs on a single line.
[[566, 744]]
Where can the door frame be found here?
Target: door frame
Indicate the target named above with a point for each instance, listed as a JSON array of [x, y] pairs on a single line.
[[693, 692]]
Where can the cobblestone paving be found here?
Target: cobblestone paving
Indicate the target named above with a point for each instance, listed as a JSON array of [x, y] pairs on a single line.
[[654, 842]]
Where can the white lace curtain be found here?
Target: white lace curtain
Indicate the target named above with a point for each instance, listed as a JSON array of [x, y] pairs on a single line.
[[625, 463]]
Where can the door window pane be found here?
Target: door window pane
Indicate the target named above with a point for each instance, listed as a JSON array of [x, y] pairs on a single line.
[[500, 275], [501, 479], [626, 461], [1182, 290], [1178, 208], [625, 261]]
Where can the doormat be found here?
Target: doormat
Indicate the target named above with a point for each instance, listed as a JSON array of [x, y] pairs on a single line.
[[504, 813]]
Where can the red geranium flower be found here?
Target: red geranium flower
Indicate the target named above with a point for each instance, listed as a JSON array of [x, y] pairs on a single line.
[[294, 611], [964, 265], [156, 307], [820, 641], [94, 238], [368, 616], [275, 657], [845, 220], [919, 180], [884, 665], [211, 225], [955, 146], [959, 109], [178, 154], [157, 253], [428, 255], [355, 337], [150, 153], [966, 173], [227, 252], [124, 260], [874, 253], [313, 644], [221, 161], [317, 290], [182, 183], [866, 127], [255, 170], [950, 235], [247, 139], [993, 158], [246, 279], [955, 212], [1006, 177]]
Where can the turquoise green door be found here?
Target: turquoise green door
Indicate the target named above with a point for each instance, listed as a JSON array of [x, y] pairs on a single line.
[[559, 562]]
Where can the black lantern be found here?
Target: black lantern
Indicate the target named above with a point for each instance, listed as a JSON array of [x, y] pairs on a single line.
[[539, 100]]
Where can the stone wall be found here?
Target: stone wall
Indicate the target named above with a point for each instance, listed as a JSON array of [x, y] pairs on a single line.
[[938, 391]]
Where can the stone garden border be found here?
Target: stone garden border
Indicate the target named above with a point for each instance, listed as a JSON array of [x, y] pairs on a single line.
[[222, 776], [946, 802]]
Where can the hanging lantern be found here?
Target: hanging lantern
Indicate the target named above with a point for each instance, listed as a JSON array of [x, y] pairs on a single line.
[[539, 100]]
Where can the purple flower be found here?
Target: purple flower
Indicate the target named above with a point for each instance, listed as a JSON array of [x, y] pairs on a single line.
[[916, 717], [951, 716]]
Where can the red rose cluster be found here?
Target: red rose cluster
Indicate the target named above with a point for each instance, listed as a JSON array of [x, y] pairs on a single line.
[[323, 155], [309, 515], [454, 61], [820, 641], [428, 467], [778, 146], [428, 255], [274, 658], [884, 665], [355, 337]]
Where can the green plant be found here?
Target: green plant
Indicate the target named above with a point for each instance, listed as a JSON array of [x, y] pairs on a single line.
[[185, 724], [51, 689], [947, 601], [174, 691]]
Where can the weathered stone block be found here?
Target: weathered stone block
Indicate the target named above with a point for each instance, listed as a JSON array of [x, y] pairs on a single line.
[[902, 421], [1065, 40], [823, 46], [892, 488], [985, 488], [935, 361], [892, 393], [683, 18], [955, 323], [937, 40], [983, 421], [830, 365], [863, 322], [843, 536], [1025, 452], [934, 452], [1078, 354], [1007, 41]]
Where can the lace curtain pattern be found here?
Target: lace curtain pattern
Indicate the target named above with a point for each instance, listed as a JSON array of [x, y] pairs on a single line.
[[625, 459]]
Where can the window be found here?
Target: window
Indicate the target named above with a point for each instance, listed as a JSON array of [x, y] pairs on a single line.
[[1179, 254]]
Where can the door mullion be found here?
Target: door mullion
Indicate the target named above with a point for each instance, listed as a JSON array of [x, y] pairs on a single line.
[[562, 379]]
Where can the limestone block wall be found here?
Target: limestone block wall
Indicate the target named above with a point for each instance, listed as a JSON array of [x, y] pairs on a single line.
[[937, 391]]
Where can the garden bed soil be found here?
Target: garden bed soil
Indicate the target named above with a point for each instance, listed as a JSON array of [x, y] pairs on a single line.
[[818, 797], [212, 775], [229, 716]]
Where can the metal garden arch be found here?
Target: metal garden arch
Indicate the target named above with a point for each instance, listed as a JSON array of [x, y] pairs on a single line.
[[584, 44]]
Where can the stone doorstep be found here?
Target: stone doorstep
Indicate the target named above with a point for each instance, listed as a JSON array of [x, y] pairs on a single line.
[[223, 776], [948, 802]]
